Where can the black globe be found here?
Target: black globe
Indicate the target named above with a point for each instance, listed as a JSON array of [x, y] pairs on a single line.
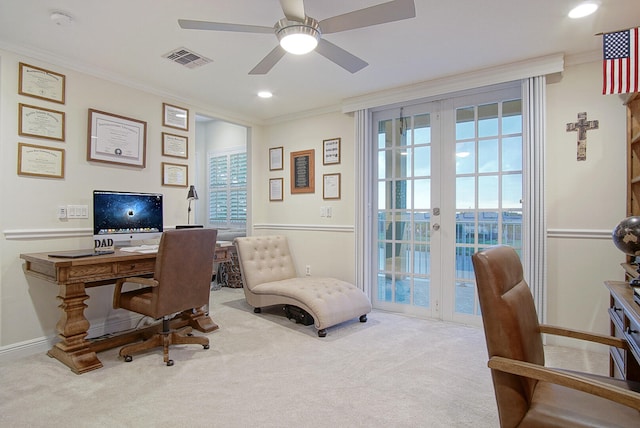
[[626, 236]]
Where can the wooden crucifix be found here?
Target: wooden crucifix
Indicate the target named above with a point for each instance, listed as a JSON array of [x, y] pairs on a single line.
[[582, 126]]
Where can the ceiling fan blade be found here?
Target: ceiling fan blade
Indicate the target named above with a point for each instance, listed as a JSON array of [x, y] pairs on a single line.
[[386, 12], [220, 26], [341, 57], [269, 61], [293, 10]]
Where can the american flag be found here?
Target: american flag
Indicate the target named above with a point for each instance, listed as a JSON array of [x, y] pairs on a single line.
[[620, 66]]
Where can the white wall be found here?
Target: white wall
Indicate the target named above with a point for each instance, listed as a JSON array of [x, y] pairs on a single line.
[[326, 244], [585, 198], [28, 307]]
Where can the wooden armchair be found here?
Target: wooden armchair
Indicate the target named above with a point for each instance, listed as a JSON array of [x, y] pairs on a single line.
[[181, 281], [528, 393]]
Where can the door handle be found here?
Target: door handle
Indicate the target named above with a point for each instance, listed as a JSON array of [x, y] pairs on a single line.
[[436, 226]]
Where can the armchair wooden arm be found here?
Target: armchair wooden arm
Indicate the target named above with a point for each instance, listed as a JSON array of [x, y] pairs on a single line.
[[148, 282], [583, 335], [566, 379]]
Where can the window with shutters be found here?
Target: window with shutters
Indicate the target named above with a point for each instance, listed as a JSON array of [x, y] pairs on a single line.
[[227, 173]]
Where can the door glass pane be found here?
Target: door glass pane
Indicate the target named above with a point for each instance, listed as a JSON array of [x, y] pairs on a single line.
[[512, 153], [512, 191], [465, 192], [422, 166], [488, 191], [465, 123], [488, 120], [465, 157], [422, 194], [488, 159]]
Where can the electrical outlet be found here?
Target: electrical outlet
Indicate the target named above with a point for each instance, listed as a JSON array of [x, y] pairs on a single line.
[[307, 270]]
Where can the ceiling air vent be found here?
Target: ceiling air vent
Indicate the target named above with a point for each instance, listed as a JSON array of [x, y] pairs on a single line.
[[187, 58]]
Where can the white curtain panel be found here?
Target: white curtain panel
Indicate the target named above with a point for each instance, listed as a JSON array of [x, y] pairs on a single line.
[[534, 212]]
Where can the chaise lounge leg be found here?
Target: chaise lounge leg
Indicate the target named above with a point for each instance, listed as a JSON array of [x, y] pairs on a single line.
[[322, 333], [363, 318]]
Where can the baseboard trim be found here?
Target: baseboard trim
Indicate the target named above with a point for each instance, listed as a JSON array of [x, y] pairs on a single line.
[[15, 351]]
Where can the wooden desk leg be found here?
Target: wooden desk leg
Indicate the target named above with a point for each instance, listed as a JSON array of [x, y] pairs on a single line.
[[199, 320], [73, 350]]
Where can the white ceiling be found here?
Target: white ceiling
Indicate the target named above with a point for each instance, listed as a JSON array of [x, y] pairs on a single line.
[[125, 40]]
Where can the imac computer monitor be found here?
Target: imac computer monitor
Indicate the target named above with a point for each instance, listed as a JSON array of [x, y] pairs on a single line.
[[126, 216]]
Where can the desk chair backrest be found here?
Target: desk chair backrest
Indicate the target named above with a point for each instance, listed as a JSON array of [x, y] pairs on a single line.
[[264, 259], [510, 323], [183, 269]]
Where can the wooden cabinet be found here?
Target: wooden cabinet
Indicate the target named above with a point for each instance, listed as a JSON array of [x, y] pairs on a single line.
[[625, 323], [633, 155]]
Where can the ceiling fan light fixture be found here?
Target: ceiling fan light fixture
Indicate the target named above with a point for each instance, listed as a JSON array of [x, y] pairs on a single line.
[[584, 9], [298, 38]]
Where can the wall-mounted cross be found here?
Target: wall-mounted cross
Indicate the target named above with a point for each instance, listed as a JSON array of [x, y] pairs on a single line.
[[582, 126]]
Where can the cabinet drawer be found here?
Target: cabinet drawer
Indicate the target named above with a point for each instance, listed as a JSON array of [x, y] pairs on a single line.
[[140, 266], [633, 336]]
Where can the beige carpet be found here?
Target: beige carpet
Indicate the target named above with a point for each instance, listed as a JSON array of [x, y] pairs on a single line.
[[263, 370]]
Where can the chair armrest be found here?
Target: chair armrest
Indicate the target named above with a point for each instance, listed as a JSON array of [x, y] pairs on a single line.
[[584, 335], [569, 380], [149, 282]]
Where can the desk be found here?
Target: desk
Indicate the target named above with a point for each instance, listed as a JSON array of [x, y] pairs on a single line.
[[73, 276], [624, 314]]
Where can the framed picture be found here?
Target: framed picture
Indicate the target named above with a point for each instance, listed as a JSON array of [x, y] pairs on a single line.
[[175, 117], [40, 122], [40, 161], [276, 158], [303, 171], [331, 151], [175, 145], [40, 83], [276, 186], [175, 175], [116, 139], [331, 186]]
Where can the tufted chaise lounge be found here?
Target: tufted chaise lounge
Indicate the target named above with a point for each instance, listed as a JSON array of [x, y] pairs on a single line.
[[269, 278]]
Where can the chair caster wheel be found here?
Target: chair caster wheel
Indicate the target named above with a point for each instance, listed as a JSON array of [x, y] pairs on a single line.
[[363, 318], [128, 358], [205, 346], [169, 363], [257, 310], [322, 333]]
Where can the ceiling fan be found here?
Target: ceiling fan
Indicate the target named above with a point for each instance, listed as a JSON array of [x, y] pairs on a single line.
[[297, 26]]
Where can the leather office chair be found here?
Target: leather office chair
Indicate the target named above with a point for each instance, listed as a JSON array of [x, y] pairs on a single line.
[[527, 393], [181, 281]]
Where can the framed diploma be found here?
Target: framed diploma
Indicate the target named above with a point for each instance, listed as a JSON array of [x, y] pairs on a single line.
[[116, 139], [40, 161], [40, 83], [175, 145], [174, 174], [275, 189], [276, 158], [303, 171], [331, 151], [40, 122], [175, 117], [331, 186]]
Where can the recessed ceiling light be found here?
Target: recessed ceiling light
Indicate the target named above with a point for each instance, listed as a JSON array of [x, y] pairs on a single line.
[[61, 18], [583, 9], [265, 94]]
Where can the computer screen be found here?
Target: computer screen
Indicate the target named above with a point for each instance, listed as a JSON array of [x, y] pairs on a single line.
[[126, 216]]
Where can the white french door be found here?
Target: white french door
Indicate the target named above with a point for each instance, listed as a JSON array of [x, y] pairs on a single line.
[[449, 182]]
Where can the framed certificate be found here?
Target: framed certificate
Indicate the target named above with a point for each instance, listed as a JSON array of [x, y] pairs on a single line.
[[40, 83], [175, 117], [175, 175], [331, 186], [276, 158], [40, 161], [116, 139], [331, 151], [40, 122], [303, 171], [175, 145], [275, 189]]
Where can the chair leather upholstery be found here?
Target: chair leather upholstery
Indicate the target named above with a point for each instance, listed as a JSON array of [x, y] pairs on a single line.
[[270, 278], [181, 279], [512, 330]]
